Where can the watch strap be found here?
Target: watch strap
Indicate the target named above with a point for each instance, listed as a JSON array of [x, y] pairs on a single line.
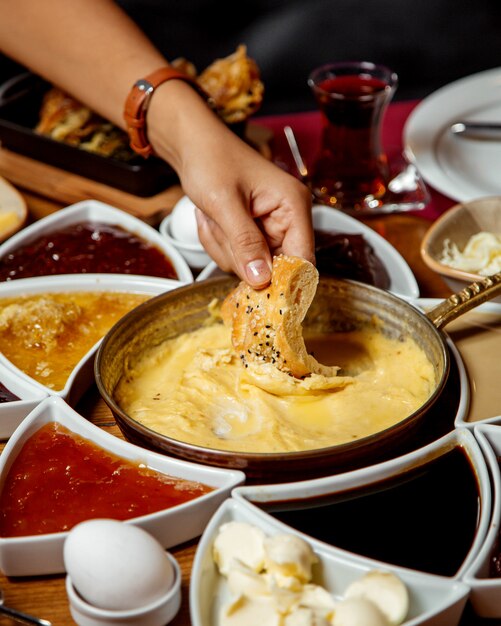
[[137, 102]]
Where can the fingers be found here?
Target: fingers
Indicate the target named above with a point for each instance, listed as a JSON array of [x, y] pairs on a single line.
[[237, 244]]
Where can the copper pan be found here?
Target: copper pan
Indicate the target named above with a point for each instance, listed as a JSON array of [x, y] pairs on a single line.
[[339, 305]]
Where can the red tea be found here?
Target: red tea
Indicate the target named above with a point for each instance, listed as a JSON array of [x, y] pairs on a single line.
[[351, 170]]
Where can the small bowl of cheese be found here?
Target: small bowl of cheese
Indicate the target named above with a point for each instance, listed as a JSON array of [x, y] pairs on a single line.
[[13, 210], [464, 244]]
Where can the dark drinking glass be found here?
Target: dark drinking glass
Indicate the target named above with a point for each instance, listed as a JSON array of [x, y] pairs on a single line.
[[351, 171]]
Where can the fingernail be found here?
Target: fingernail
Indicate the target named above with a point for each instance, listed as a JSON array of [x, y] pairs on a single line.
[[258, 271]]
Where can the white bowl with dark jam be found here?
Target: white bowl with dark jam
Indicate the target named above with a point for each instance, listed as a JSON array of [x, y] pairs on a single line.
[[428, 511], [433, 600], [347, 248], [51, 325], [73, 470], [18, 397], [93, 238]]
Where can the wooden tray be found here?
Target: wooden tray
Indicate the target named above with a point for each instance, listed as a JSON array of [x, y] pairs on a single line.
[[64, 187]]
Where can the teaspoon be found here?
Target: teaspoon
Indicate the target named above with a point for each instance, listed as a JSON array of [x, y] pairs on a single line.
[[20, 617], [477, 130], [294, 148]]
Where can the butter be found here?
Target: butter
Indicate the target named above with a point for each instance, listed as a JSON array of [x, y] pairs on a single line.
[[270, 582], [242, 542]]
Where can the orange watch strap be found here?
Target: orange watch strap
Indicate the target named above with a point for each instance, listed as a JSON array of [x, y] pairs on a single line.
[[137, 103]]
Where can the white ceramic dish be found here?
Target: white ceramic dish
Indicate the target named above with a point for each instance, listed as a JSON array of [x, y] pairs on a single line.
[[43, 554], [433, 600], [461, 168], [477, 343], [93, 210], [486, 591], [157, 613], [309, 493], [82, 376], [12, 413], [180, 230], [402, 281]]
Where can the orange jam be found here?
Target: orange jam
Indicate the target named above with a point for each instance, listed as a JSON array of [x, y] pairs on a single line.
[[60, 479]]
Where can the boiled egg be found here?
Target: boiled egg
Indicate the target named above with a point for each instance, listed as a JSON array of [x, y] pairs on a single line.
[[116, 566], [183, 223]]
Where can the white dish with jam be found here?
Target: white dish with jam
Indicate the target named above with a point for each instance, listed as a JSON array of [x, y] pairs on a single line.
[[82, 374], [28, 395], [97, 212], [434, 600], [402, 281], [425, 492], [40, 554]]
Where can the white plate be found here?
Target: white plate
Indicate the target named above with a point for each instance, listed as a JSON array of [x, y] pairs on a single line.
[[463, 169], [434, 600], [402, 280], [43, 554]]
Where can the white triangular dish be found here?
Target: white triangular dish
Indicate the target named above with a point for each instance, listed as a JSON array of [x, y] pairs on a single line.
[[95, 211], [402, 281], [43, 554], [82, 376], [486, 590], [310, 493], [434, 600], [12, 413]]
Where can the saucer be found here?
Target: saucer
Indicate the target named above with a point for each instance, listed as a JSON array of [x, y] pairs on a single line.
[[406, 190]]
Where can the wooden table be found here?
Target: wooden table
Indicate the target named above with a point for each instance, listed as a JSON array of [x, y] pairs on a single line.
[[46, 596]]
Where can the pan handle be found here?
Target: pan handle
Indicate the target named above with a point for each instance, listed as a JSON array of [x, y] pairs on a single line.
[[463, 301]]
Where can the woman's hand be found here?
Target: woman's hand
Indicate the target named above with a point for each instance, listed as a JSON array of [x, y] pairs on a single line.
[[249, 209]]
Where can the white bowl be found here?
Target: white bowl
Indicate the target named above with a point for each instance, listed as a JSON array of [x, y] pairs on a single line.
[[43, 554], [12, 413], [194, 253], [434, 600], [402, 281], [311, 493], [82, 376], [181, 231], [157, 613], [486, 591], [93, 210]]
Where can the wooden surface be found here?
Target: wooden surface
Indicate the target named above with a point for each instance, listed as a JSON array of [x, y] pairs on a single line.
[[46, 597]]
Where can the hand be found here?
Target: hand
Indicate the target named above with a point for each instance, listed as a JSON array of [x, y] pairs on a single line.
[[249, 209]]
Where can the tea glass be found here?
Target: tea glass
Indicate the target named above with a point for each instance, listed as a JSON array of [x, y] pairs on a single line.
[[351, 171]]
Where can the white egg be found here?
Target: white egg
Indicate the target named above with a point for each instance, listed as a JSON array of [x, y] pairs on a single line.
[[183, 223], [116, 566]]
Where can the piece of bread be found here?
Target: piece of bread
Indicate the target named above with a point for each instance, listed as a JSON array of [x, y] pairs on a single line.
[[266, 325]]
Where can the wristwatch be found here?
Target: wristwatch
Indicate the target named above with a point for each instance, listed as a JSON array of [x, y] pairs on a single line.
[[136, 105]]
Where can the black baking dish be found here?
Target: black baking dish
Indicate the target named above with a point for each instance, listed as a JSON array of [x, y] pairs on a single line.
[[20, 101]]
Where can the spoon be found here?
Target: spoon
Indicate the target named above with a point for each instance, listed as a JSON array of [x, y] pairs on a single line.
[[477, 130], [19, 616], [294, 148]]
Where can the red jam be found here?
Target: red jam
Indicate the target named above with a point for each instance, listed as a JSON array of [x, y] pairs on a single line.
[[6, 395], [88, 247], [60, 479]]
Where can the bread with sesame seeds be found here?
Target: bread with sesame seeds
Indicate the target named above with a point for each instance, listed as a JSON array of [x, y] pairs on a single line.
[[266, 324]]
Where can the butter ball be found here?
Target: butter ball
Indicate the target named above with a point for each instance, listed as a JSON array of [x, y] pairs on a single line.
[[116, 566]]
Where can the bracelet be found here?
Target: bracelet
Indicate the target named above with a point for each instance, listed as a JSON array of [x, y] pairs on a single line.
[[136, 105]]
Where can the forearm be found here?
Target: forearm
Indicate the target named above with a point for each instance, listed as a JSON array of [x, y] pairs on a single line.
[[89, 48]]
